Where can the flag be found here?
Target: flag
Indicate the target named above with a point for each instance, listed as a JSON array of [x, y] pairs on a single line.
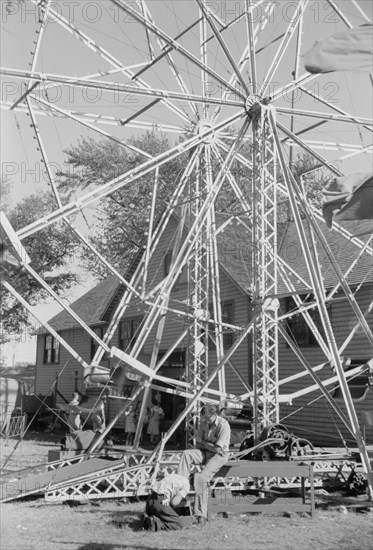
[[349, 198], [350, 50]]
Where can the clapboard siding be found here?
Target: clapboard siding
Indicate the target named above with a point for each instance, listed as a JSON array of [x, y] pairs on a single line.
[[309, 416]]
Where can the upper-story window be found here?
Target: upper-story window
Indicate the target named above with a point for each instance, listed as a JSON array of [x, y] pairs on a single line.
[[128, 333], [51, 349], [297, 326], [100, 331]]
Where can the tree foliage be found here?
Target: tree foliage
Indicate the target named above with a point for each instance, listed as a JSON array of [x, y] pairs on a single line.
[[50, 251], [122, 218]]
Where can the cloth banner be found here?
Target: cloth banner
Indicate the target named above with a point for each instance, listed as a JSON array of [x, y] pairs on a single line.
[[349, 198], [350, 50]]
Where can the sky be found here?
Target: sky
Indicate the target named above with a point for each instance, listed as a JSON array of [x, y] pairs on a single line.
[[119, 36]]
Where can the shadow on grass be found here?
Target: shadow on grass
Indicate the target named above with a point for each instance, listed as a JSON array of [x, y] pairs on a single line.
[[100, 546]]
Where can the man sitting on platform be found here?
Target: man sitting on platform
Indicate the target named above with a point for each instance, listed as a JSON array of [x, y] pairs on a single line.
[[212, 453]]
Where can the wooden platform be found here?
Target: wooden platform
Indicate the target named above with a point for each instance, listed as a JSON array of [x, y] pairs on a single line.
[[222, 499]]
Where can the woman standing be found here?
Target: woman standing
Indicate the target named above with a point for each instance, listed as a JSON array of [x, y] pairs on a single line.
[[156, 415], [130, 425]]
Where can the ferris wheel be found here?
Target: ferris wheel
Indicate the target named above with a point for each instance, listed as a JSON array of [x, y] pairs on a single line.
[[226, 82]]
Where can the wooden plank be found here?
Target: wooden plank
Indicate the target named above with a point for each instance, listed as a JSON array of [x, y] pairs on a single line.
[[248, 468]]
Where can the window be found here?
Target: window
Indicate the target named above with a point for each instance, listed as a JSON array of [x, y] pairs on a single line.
[[182, 278], [359, 384], [94, 344], [128, 332], [227, 317], [297, 326], [51, 349], [167, 263]]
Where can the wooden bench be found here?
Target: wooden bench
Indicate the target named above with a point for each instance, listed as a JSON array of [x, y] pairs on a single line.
[[221, 498]]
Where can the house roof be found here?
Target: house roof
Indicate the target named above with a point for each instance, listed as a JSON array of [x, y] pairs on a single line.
[[90, 307], [235, 258], [236, 255]]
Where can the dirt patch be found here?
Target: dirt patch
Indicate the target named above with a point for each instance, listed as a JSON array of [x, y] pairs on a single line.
[[340, 523]]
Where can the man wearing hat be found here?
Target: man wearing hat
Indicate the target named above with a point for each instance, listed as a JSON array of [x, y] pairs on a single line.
[[212, 453]]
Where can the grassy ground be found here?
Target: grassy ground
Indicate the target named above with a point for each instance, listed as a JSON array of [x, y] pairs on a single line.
[[115, 524]]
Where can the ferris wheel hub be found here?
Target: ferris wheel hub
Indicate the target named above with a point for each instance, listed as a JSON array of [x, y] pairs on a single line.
[[205, 126]]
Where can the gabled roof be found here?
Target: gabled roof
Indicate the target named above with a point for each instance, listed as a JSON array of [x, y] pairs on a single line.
[[90, 307], [235, 258]]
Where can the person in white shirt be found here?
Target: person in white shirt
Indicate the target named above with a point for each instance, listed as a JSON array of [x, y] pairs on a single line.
[[165, 495], [212, 453]]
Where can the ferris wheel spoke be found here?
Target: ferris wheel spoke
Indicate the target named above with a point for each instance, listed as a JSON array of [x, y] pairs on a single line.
[[166, 49], [340, 13], [102, 52], [207, 14], [328, 117], [91, 117], [283, 46], [128, 177], [332, 106], [115, 87], [251, 43], [312, 152], [93, 127], [178, 47]]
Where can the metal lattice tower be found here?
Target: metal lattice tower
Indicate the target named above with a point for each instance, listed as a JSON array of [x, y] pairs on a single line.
[[264, 270]]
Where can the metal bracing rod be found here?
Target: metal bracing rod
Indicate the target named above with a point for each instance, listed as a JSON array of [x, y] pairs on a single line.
[[150, 229], [115, 87], [178, 47], [325, 116], [282, 266], [331, 106], [340, 351], [232, 181], [23, 96], [48, 327], [337, 227], [122, 306], [332, 146], [128, 177], [43, 154], [362, 12], [203, 56], [309, 150], [91, 44], [158, 339], [187, 246], [214, 266], [304, 312], [102, 259], [65, 306], [250, 36], [141, 4], [268, 8], [291, 86], [166, 52], [350, 268], [293, 190], [207, 14], [334, 264], [236, 372], [76, 118], [340, 13], [283, 46], [93, 117], [235, 20], [210, 379], [288, 398], [315, 378]]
